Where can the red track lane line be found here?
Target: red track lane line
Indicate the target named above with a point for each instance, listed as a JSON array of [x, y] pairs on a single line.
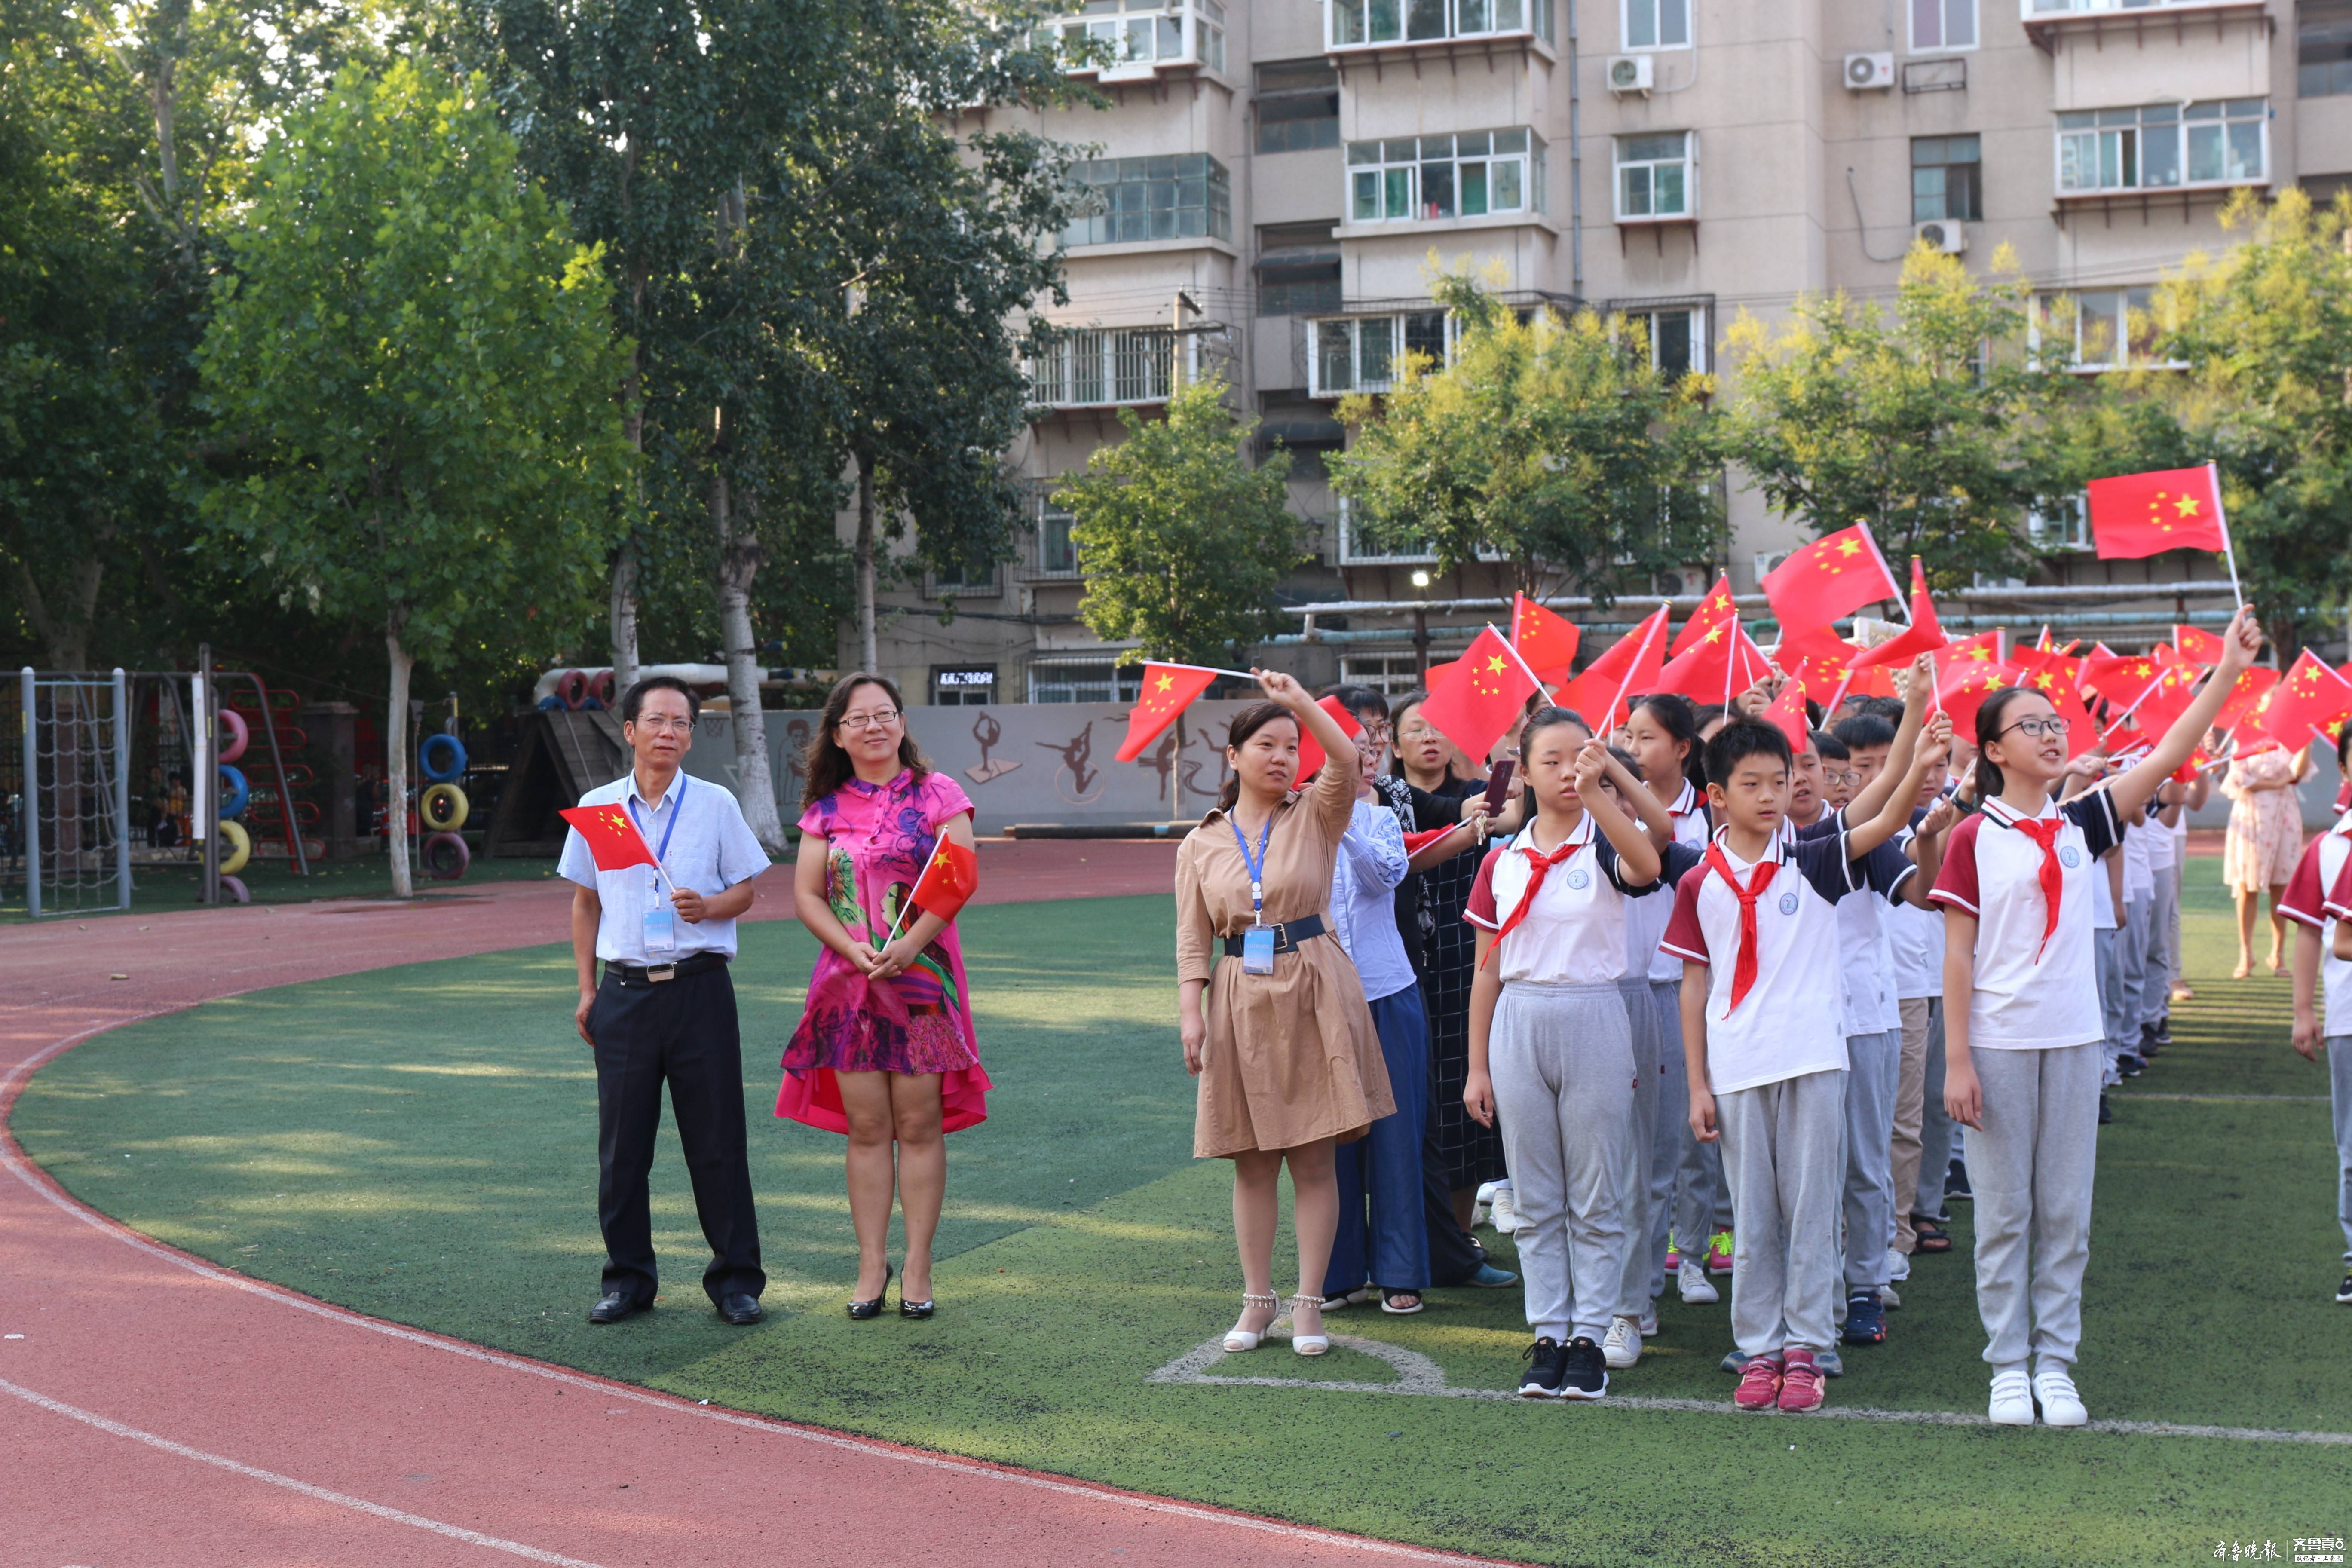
[[254, 1472]]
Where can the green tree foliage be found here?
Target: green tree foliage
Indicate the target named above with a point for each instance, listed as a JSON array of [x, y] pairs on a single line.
[[1920, 423], [418, 363], [1183, 542], [1552, 443]]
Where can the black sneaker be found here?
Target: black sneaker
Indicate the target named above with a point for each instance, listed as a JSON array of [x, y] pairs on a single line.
[[1586, 1375], [1865, 1320], [2129, 1065], [2106, 1113], [1546, 1361], [2163, 1036], [1956, 1183], [2344, 1292]]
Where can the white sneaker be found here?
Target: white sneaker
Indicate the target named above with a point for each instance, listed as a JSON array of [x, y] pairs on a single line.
[[1650, 1323], [1502, 1213], [2012, 1400], [1482, 1203], [1887, 1298], [1692, 1281], [2061, 1405], [1623, 1348], [1898, 1264]]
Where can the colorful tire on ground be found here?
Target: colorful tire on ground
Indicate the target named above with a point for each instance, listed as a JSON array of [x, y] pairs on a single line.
[[445, 857], [237, 849], [232, 746], [442, 758], [234, 791], [234, 888], [443, 808], [572, 686], [601, 689]]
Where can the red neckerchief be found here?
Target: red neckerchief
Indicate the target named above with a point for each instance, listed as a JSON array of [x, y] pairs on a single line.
[[1539, 866], [1759, 877], [2043, 831]]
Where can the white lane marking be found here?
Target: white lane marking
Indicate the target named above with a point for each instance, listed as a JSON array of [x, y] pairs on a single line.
[[1419, 1375], [2286, 1099], [255, 1472]]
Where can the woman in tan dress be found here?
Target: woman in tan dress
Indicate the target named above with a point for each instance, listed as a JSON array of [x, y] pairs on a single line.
[[2265, 840], [1287, 1061]]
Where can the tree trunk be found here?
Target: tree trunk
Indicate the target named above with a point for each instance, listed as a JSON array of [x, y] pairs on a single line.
[[395, 760], [624, 619], [869, 654], [738, 563]]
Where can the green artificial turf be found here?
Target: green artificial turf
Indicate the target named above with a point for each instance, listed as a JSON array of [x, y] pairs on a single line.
[[267, 881], [419, 1143]]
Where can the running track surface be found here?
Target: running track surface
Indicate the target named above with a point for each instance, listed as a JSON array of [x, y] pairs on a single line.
[[158, 1409]]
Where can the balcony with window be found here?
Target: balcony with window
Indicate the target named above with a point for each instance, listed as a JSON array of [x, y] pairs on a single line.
[[1055, 555], [1108, 367], [1184, 195], [1374, 28], [2098, 330], [1138, 40], [2108, 157], [2050, 22], [1457, 178], [1656, 183], [1365, 353]]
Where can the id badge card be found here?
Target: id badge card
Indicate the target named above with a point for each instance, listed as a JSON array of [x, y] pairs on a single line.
[[1257, 951], [661, 930]]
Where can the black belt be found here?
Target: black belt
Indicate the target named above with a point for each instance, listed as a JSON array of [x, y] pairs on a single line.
[[654, 974], [1286, 936]]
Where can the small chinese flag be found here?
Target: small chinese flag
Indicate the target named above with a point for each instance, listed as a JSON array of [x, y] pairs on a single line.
[[2051, 674], [1437, 672], [1415, 842], [2117, 677], [948, 880], [1547, 641], [2253, 686], [2155, 706], [1788, 710], [2198, 647], [1717, 668], [1985, 648], [1629, 667], [1924, 634], [1484, 698], [610, 836], [1817, 658], [1168, 691], [2309, 697], [1715, 610], [1963, 686], [1310, 753], [2134, 515], [1835, 575]]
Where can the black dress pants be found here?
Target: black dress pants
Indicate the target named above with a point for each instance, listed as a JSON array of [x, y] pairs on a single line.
[[682, 1031]]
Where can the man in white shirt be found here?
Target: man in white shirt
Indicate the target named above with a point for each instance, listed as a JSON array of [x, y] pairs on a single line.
[[665, 1010]]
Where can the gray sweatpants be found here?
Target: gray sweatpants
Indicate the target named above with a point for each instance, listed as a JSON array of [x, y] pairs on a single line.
[[2109, 964], [2131, 957], [1702, 1200], [2339, 1078], [1874, 1072], [2163, 954], [1672, 1130], [1937, 1142], [1781, 1156], [1561, 1058], [1922, 1031], [2030, 1166], [1644, 1206]]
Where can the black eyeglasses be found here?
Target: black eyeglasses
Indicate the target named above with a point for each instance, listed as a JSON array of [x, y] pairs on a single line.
[[2035, 729]]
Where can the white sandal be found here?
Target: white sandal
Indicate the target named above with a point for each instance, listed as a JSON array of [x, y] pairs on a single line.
[[1239, 1338], [1307, 1344]]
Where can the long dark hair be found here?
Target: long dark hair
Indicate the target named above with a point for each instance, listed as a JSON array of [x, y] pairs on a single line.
[[1675, 715], [827, 763], [1248, 722], [1988, 728]]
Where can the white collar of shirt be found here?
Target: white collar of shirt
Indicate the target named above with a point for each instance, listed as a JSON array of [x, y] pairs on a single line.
[[670, 796], [2008, 816], [1578, 836], [1777, 850], [2343, 828], [1685, 803]]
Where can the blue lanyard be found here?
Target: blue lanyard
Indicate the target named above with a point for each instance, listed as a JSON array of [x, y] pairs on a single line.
[[1257, 865], [676, 812]]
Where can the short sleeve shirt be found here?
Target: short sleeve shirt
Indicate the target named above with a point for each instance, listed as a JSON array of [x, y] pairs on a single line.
[[2029, 995], [1790, 1022], [1645, 919], [2315, 896], [697, 829], [1574, 932]]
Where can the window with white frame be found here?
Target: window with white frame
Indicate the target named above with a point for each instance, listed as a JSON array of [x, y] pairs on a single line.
[[1656, 24], [1947, 178], [1675, 336], [1183, 196], [1940, 25], [1369, 24], [1364, 354], [1085, 680], [1105, 367], [1143, 33], [2066, 528], [1057, 553], [2161, 146], [1390, 674], [1429, 178], [2104, 329], [1653, 177]]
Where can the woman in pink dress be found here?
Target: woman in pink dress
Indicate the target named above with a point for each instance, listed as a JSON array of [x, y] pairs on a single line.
[[884, 1051], [2265, 840]]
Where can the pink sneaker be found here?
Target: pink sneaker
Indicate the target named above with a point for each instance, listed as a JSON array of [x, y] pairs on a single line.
[[1759, 1383], [1800, 1382]]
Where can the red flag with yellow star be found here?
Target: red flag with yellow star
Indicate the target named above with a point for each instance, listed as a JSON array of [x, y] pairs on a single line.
[[1629, 669], [2198, 647], [2252, 687], [2307, 698], [950, 878], [1717, 667], [2118, 676], [1924, 634], [610, 836], [1816, 658], [1835, 575], [2051, 674], [1310, 750], [1716, 609], [1788, 710], [1964, 684], [2134, 515], [1168, 691], [1547, 641], [1482, 698]]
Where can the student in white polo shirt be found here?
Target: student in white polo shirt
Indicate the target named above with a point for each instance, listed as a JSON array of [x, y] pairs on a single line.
[[2319, 899], [2022, 1036], [1764, 1047], [1551, 1046]]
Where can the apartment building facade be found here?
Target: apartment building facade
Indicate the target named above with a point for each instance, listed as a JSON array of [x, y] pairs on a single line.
[[1277, 179]]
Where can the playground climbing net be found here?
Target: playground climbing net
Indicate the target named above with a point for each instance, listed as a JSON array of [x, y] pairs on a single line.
[[68, 809]]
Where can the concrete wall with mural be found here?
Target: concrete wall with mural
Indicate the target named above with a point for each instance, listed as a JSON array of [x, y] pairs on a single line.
[[1021, 763]]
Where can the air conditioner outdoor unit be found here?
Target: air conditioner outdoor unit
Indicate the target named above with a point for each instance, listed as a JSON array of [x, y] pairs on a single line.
[[1631, 73], [1768, 561], [1947, 235], [1869, 73]]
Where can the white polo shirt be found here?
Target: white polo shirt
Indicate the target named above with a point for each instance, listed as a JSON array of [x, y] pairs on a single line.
[[1645, 919], [1574, 934], [2139, 881], [1791, 1022], [710, 848], [2028, 996], [2319, 894]]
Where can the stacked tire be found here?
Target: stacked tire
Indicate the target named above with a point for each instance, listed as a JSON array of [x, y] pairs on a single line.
[[235, 794], [441, 808]]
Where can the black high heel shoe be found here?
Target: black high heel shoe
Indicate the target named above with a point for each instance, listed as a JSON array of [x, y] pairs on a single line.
[[913, 1308], [861, 1310]]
